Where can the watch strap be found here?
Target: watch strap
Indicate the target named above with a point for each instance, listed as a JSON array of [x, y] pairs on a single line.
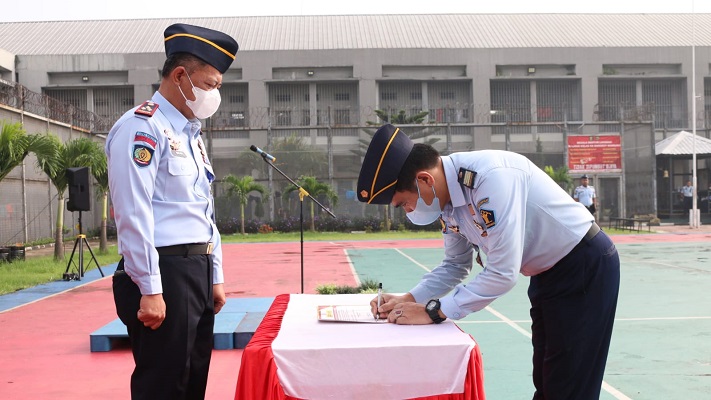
[[433, 312]]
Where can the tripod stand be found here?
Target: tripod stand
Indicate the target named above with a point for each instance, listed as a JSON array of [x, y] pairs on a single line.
[[80, 242]]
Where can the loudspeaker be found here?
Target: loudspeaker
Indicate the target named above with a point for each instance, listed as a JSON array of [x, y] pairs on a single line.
[[78, 180]]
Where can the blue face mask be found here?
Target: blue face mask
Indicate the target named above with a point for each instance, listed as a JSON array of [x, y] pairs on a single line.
[[424, 214]]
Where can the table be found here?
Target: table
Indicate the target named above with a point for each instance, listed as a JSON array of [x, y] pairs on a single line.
[[261, 378]]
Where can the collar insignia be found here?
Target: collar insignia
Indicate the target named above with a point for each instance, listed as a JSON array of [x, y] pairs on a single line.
[[466, 177], [148, 108]]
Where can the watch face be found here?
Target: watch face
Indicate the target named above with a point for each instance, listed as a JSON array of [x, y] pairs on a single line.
[[431, 305]]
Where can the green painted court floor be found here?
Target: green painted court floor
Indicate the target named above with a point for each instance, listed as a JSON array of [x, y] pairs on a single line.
[[661, 344]]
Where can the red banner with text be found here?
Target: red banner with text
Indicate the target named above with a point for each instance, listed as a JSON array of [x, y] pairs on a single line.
[[594, 154]]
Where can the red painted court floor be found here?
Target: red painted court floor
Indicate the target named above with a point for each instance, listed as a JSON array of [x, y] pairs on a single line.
[[44, 345]]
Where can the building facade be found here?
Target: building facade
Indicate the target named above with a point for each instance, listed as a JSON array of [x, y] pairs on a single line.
[[524, 83]]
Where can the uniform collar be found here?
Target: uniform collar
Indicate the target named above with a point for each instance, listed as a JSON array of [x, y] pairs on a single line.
[[456, 197], [175, 117]]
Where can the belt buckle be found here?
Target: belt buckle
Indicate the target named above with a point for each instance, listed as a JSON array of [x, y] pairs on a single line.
[[210, 247]]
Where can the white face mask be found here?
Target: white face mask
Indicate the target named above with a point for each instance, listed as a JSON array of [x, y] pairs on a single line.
[[206, 102], [424, 214]]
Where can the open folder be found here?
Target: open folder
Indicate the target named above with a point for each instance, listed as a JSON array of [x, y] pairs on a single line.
[[346, 313]]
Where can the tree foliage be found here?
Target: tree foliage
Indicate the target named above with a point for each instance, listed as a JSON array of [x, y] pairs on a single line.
[[315, 188], [240, 188], [16, 144], [560, 175], [80, 152]]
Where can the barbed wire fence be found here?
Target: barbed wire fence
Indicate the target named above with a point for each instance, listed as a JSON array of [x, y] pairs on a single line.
[[339, 133]]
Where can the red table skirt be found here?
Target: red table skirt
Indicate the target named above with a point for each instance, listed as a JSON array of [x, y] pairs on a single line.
[[258, 373]]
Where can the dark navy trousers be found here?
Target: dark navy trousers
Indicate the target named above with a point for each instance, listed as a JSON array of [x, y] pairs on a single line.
[[572, 310], [172, 361]]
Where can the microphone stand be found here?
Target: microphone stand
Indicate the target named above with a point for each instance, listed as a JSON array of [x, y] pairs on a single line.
[[302, 194]]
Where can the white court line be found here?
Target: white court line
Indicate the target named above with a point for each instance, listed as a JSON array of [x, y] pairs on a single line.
[[667, 265], [413, 260], [605, 386], [660, 319], [350, 264], [54, 294], [509, 322]]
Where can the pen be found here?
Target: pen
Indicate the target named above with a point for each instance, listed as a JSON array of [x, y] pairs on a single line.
[[380, 300]]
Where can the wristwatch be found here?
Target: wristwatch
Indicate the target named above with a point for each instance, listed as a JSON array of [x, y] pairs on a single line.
[[432, 308]]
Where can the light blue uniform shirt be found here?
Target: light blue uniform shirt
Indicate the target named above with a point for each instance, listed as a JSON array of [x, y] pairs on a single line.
[[159, 178], [687, 191], [585, 195], [515, 213]]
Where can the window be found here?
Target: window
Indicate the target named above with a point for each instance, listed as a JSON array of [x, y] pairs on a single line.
[[283, 118], [342, 96], [388, 96], [342, 117]]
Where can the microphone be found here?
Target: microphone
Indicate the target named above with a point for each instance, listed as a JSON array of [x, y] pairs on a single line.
[[262, 153]]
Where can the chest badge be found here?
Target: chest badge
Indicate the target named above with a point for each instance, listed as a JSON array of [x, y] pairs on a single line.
[[202, 152]]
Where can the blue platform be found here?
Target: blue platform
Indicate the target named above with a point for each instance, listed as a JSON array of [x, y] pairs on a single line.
[[234, 326]]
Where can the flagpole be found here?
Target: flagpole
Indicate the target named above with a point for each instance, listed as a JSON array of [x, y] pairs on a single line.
[[693, 213]]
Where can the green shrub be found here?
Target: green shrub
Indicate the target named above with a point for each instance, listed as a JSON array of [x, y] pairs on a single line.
[[366, 286]]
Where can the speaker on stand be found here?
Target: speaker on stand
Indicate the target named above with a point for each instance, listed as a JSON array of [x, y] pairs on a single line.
[[79, 200]]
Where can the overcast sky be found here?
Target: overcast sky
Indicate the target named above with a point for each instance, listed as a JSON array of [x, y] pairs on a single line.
[[65, 10]]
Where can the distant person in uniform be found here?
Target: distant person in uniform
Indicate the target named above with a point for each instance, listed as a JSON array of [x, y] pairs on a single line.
[[585, 194], [499, 202], [687, 193], [169, 283]]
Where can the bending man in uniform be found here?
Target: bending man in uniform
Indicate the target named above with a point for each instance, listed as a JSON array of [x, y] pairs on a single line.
[[169, 283], [502, 204]]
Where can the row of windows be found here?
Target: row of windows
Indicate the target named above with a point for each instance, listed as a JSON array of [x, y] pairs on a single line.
[[286, 97], [393, 96], [511, 101]]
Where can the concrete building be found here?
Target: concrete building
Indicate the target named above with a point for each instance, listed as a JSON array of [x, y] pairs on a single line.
[[520, 82]]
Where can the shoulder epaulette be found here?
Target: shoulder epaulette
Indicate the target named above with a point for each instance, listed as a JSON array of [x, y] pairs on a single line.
[[148, 108], [466, 177]]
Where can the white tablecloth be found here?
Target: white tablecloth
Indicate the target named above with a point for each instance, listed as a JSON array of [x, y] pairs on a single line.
[[328, 360]]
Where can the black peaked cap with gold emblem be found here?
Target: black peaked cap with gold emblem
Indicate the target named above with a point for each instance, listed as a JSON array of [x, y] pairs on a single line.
[[215, 48], [383, 161]]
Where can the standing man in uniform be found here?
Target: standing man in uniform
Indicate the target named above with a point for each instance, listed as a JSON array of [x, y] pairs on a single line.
[[502, 204], [585, 195], [169, 284], [687, 192]]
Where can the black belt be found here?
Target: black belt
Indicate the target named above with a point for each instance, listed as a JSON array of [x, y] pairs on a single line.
[[594, 229], [191, 249]]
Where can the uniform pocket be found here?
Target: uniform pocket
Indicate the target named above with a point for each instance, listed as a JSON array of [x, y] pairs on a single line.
[[181, 167]]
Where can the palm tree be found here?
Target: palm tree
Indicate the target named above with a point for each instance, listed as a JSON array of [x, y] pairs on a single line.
[[241, 188], [81, 152], [291, 151], [293, 154], [102, 193], [301, 158], [560, 176], [315, 188], [15, 145]]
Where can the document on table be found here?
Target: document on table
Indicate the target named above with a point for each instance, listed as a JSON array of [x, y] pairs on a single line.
[[346, 313]]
